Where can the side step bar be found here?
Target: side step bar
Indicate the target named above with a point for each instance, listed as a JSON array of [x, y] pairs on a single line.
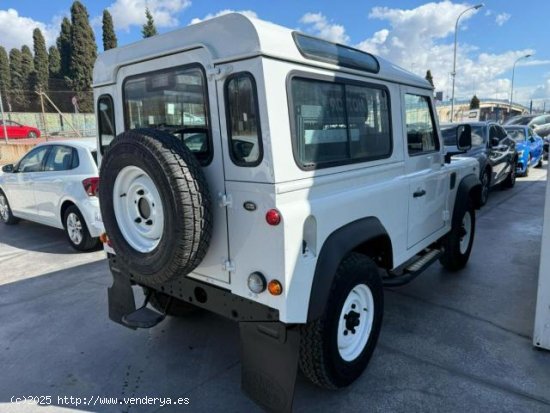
[[412, 269]]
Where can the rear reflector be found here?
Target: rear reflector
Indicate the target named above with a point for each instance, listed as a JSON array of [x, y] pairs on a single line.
[[91, 186]]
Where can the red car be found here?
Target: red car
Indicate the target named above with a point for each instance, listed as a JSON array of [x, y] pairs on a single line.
[[17, 131]]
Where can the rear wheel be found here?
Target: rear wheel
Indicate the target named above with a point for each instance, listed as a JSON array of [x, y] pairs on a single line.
[[526, 173], [5, 211], [485, 187], [539, 164], [32, 135], [510, 180], [77, 231], [336, 348]]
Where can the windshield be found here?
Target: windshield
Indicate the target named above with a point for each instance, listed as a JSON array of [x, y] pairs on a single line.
[[449, 135], [517, 134]]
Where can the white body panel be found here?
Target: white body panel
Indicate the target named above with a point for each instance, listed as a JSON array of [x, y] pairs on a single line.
[[313, 203]]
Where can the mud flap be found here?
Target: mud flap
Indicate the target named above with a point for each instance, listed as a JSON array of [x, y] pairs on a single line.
[[121, 297], [269, 357]]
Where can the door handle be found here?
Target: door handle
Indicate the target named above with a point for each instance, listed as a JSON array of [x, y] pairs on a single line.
[[419, 193]]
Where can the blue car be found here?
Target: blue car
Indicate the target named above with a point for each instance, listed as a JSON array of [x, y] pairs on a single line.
[[529, 147]]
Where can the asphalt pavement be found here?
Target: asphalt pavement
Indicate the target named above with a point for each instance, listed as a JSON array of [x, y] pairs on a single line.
[[450, 342]]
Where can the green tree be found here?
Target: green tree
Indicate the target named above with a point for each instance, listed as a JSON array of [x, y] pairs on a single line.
[[474, 103], [64, 47], [83, 55], [54, 62], [5, 78], [149, 29], [29, 77], [41, 62], [429, 77], [109, 36], [16, 95]]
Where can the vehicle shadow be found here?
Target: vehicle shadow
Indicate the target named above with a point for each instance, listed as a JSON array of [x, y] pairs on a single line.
[[30, 236]]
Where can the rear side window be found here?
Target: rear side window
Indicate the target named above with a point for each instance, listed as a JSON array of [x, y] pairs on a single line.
[[173, 100], [106, 121], [337, 123], [421, 133], [243, 123], [61, 158]]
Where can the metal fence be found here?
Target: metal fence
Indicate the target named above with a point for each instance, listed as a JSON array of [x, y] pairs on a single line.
[[55, 124]]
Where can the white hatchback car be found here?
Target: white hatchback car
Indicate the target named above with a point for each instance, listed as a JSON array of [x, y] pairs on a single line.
[[55, 184]]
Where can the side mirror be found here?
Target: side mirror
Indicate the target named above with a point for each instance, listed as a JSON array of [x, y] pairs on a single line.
[[8, 168], [494, 142], [464, 137]]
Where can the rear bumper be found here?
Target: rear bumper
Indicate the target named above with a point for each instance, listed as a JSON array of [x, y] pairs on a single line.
[[90, 209]]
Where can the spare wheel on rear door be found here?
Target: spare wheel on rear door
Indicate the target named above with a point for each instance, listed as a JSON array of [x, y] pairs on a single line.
[[155, 205]]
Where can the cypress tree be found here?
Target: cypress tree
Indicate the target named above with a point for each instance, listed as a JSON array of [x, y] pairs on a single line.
[[5, 78], [29, 77], [40, 61], [149, 28], [474, 103], [16, 93], [54, 62], [109, 36], [429, 77], [83, 55], [64, 47]]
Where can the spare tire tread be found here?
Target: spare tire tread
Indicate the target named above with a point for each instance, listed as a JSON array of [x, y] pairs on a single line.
[[182, 176]]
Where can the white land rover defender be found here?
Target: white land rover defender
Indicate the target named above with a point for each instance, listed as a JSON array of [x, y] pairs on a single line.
[[279, 180]]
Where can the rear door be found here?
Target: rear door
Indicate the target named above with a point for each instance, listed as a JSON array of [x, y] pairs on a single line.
[[176, 94], [424, 165]]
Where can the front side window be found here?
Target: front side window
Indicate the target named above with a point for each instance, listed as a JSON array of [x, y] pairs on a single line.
[[173, 100], [61, 158], [106, 121], [337, 123], [32, 162], [243, 123], [421, 132]]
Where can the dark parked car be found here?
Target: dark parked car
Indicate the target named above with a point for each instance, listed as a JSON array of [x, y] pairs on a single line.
[[540, 123], [494, 150]]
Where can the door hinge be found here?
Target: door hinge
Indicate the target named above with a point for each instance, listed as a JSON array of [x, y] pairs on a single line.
[[225, 200], [446, 215], [217, 73], [228, 266]]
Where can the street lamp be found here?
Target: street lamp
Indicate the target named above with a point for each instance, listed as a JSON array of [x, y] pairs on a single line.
[[479, 6], [512, 89]]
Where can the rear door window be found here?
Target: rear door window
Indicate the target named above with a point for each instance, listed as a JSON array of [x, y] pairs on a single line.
[[61, 158], [173, 100], [105, 121], [243, 123]]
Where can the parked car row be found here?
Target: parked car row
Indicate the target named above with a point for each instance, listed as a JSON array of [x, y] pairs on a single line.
[[55, 184], [503, 152]]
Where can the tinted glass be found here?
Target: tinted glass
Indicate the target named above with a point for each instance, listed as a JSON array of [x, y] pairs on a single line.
[[60, 158], [517, 134], [339, 123], [32, 162], [421, 134], [106, 121], [243, 122], [449, 136], [324, 51], [172, 100]]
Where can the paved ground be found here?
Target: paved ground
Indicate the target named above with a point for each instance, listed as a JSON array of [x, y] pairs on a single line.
[[450, 342]]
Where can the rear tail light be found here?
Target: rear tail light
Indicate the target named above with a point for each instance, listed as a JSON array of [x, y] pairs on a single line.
[[91, 186]]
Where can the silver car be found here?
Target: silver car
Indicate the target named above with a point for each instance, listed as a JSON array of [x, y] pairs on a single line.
[[55, 184]]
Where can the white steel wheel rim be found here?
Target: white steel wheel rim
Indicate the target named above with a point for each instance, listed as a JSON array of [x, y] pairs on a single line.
[[466, 232], [4, 208], [138, 209], [74, 228], [355, 322]]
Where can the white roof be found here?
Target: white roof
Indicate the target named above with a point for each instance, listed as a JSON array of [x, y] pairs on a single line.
[[230, 37], [85, 143]]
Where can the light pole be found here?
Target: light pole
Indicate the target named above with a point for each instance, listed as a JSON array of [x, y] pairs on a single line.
[[453, 74], [3, 119], [512, 89]]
